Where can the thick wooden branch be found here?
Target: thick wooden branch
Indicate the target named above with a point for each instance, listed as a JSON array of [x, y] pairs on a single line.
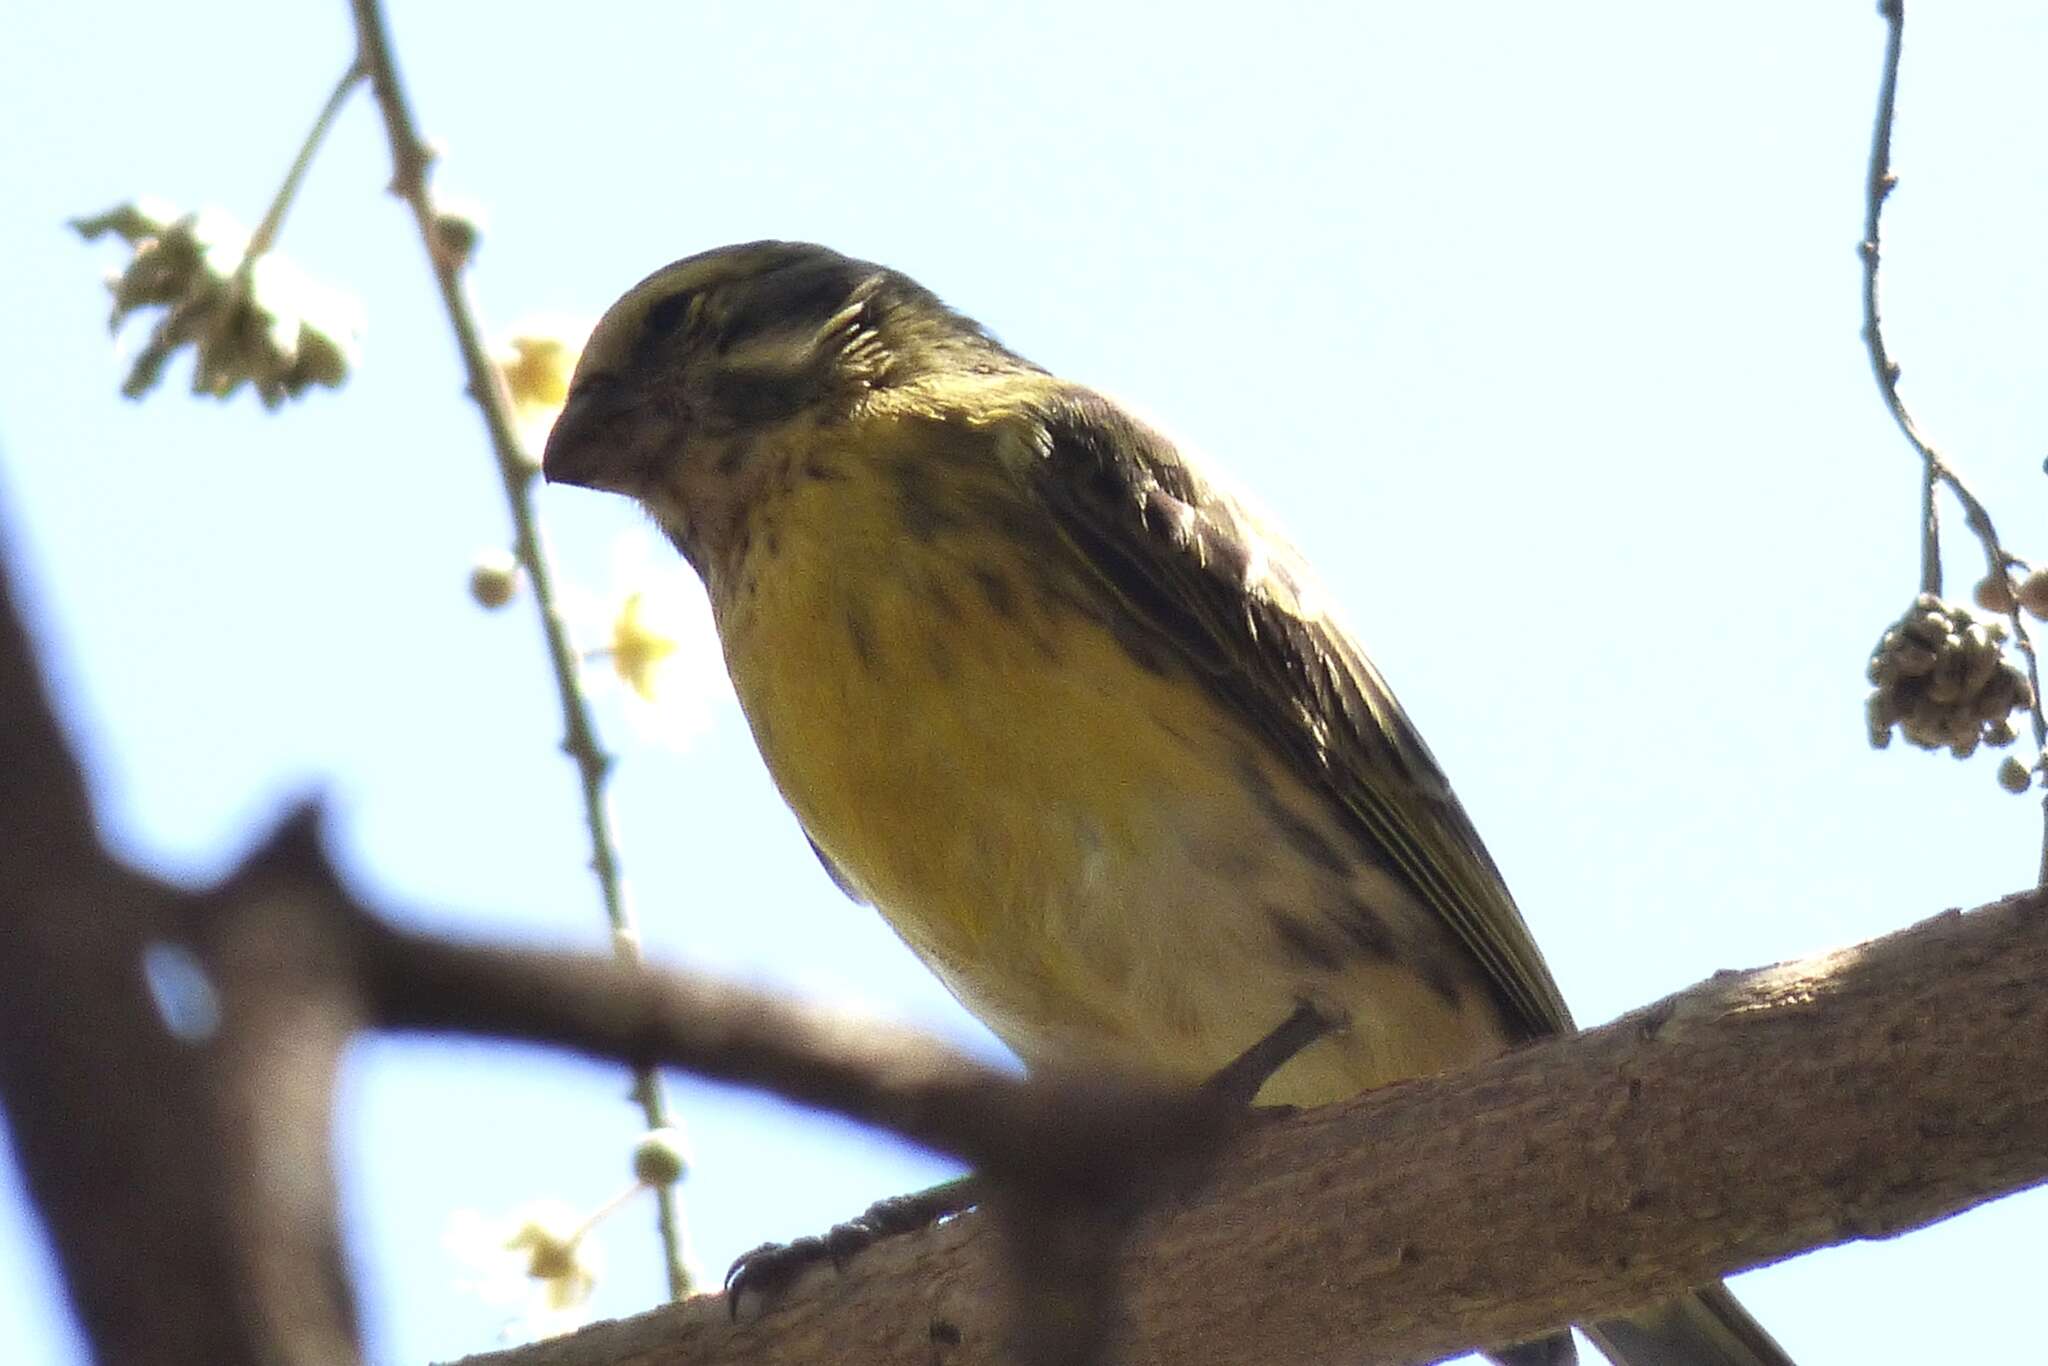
[[1753, 1117]]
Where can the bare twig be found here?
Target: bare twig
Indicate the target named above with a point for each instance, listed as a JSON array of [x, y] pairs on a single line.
[[1935, 468], [410, 159], [266, 232]]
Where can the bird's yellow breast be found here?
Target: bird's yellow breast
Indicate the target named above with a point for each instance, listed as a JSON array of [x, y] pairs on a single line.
[[969, 747], [1097, 857]]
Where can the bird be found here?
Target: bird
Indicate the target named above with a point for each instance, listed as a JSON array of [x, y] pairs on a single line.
[[1046, 691]]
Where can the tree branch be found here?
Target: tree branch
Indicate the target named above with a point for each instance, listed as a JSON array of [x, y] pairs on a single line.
[[1753, 1117]]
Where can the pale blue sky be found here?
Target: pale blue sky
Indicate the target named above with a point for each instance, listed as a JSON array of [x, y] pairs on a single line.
[[1536, 325]]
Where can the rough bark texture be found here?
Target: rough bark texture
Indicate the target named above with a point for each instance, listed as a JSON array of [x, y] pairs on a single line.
[[1750, 1118]]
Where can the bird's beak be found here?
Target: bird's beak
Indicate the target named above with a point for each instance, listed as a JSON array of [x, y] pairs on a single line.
[[588, 441]]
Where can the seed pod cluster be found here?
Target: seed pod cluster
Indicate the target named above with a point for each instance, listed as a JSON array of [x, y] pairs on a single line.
[[1942, 678]]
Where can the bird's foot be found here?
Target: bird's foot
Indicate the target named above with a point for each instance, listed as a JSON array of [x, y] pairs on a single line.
[[772, 1268]]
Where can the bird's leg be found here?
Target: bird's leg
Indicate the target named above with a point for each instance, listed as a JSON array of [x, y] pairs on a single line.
[[771, 1267], [1238, 1083]]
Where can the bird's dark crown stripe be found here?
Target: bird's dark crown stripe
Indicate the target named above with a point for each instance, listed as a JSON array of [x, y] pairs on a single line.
[[666, 314]]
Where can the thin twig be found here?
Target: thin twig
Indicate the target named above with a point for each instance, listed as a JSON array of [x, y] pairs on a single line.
[[410, 158], [242, 283], [266, 232], [1999, 562]]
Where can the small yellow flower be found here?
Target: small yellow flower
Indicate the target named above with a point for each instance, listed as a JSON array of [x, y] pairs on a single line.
[[538, 361], [557, 1261], [657, 640], [640, 646], [542, 1260]]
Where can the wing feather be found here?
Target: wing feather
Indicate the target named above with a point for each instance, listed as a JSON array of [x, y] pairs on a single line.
[[1239, 604]]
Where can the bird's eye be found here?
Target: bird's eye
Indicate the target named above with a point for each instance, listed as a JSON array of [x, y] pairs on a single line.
[[669, 314]]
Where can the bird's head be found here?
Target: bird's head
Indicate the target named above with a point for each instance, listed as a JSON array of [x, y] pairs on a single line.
[[684, 376]]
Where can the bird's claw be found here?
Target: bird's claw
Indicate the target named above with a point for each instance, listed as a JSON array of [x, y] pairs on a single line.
[[772, 1268]]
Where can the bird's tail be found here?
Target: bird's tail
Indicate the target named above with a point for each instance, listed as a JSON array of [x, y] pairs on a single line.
[[1706, 1328]]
